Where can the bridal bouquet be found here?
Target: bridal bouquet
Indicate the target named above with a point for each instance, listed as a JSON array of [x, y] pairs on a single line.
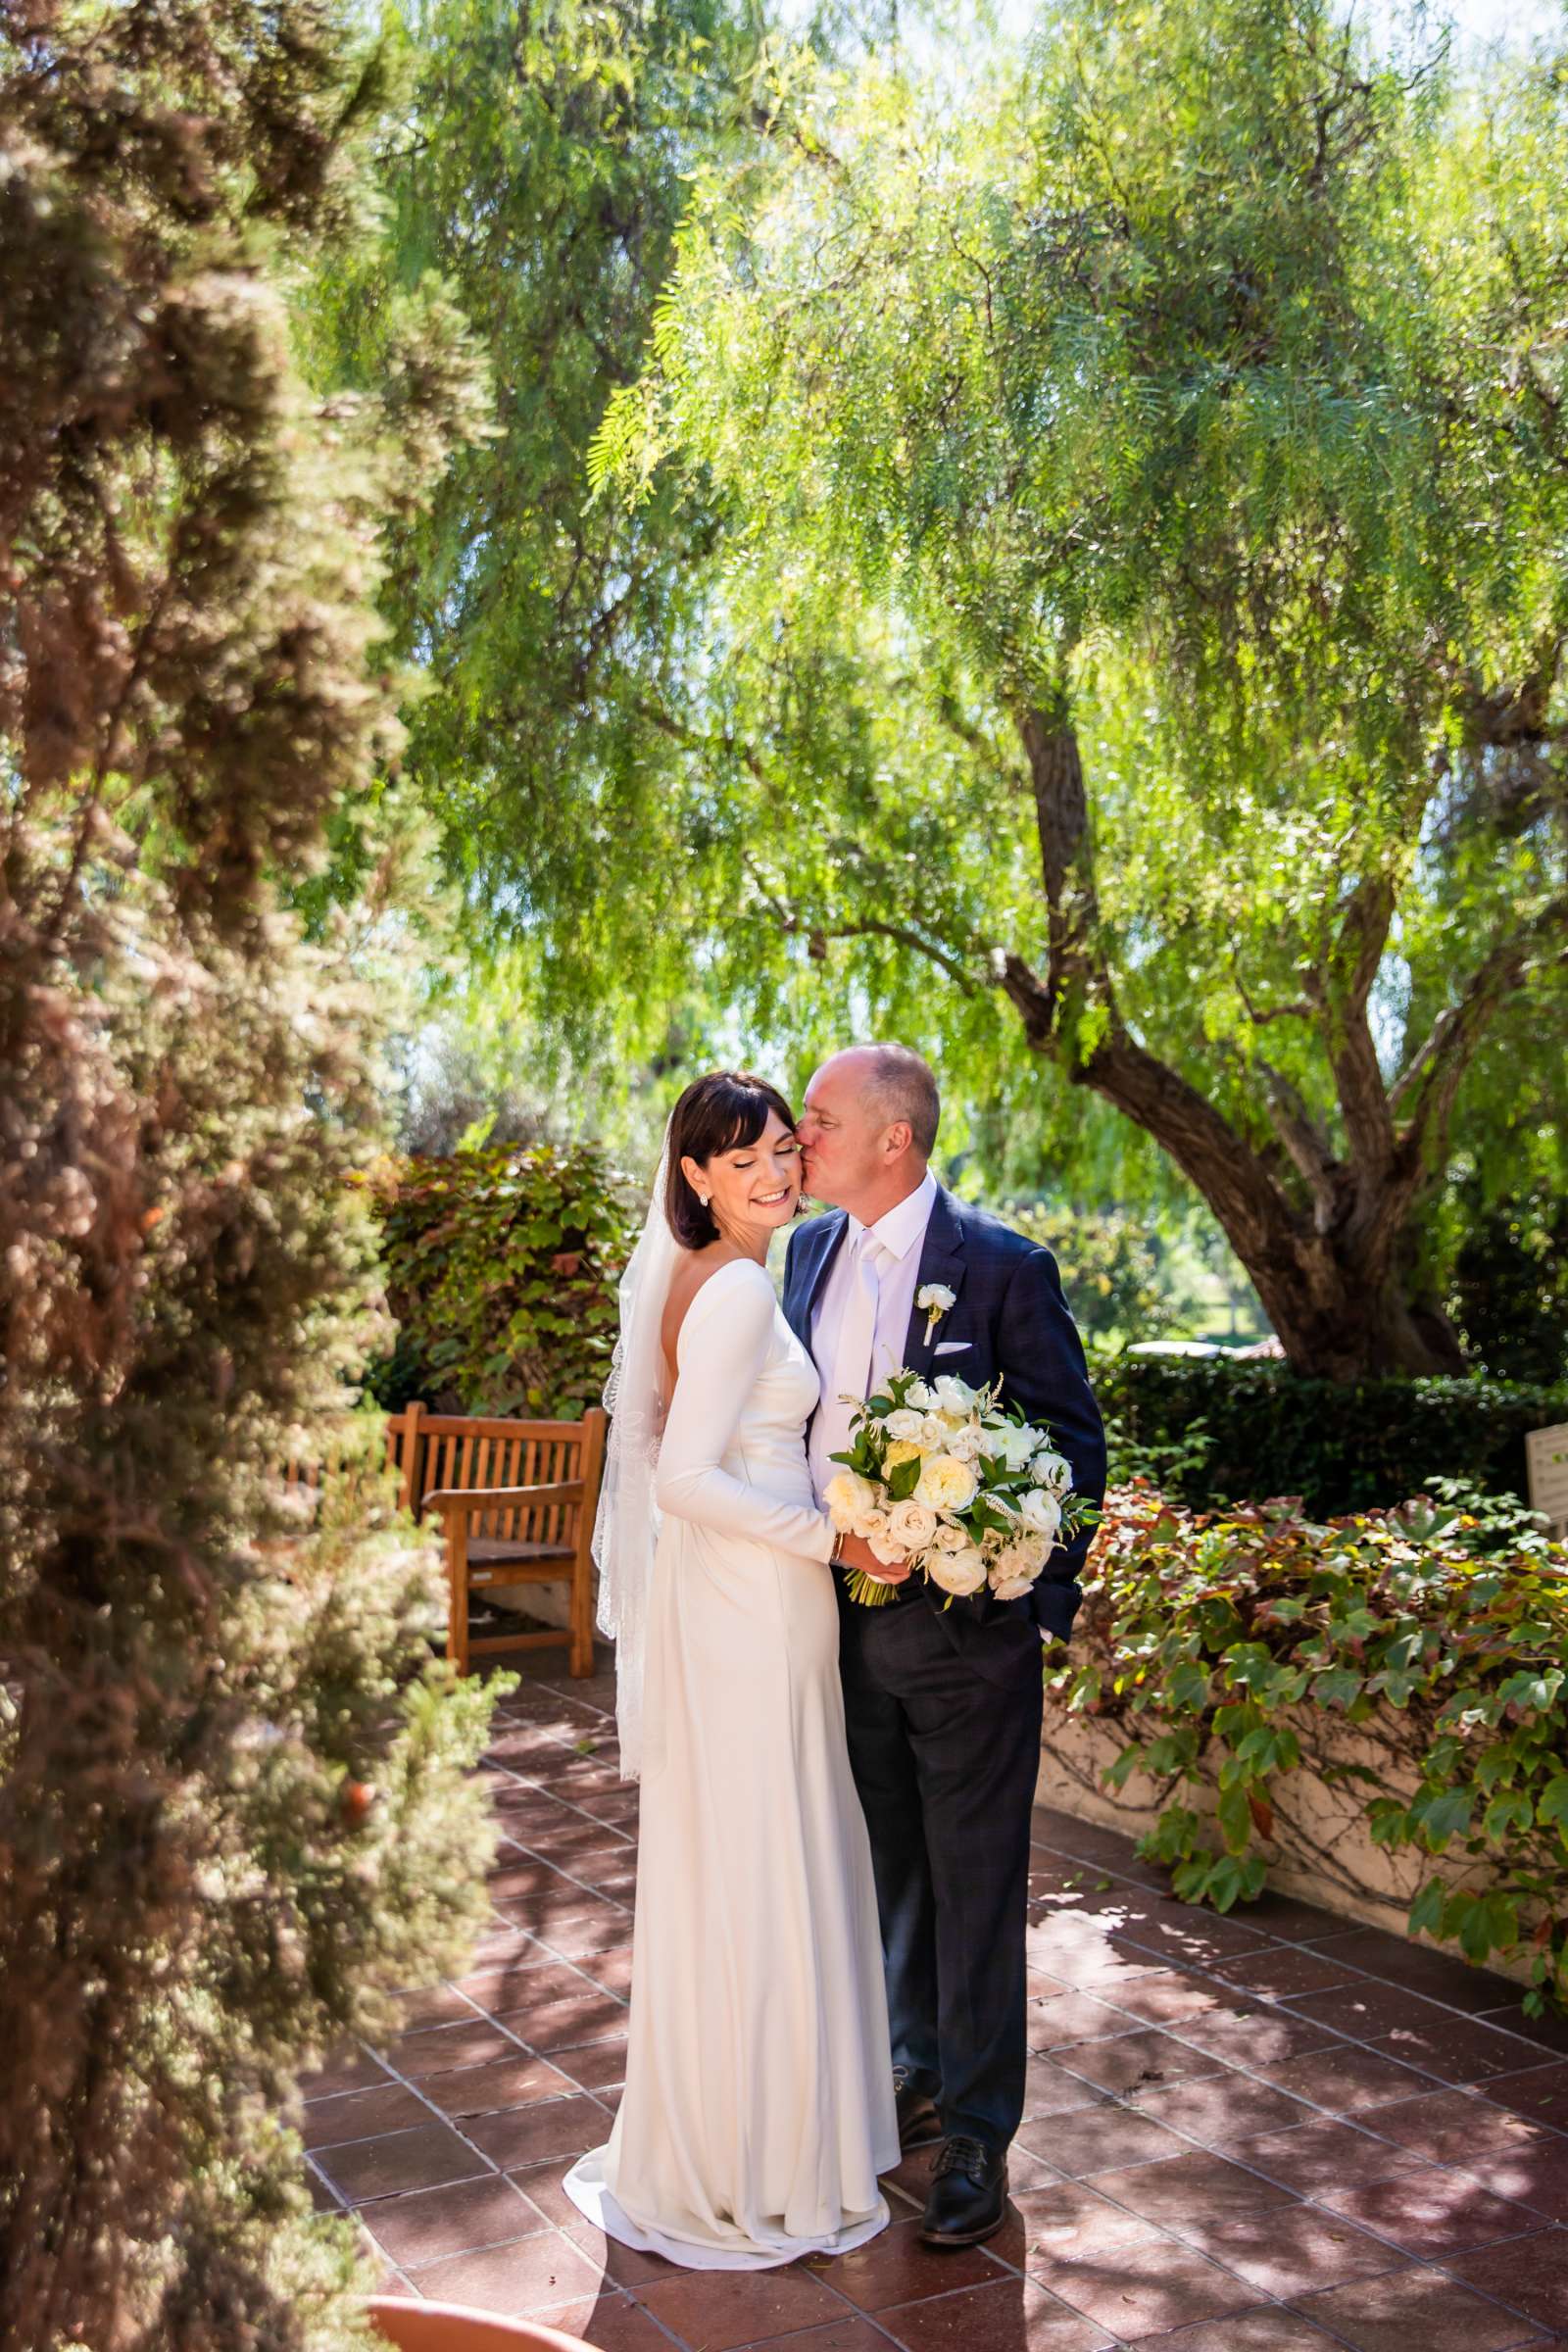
[[938, 1476]]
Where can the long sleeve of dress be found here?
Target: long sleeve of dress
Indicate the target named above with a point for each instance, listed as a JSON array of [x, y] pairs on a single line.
[[722, 1348]]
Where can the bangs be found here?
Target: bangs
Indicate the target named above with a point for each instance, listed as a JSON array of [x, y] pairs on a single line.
[[742, 1115]]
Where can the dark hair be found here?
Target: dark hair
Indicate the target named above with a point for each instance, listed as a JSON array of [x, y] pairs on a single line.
[[720, 1112]]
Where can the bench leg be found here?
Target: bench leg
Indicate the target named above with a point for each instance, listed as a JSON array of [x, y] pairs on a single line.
[[580, 1656], [458, 1591]]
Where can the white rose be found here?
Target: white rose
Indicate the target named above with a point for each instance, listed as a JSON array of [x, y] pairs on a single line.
[[912, 1524], [1010, 1565], [905, 1426], [848, 1497], [919, 1395], [934, 1433], [947, 1484], [965, 1445], [1018, 1588], [951, 1395], [891, 1554], [960, 1572], [1052, 1469], [1014, 1444], [1042, 1512]]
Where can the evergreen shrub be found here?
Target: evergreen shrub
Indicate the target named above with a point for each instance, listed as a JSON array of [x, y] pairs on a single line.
[[1212, 1428]]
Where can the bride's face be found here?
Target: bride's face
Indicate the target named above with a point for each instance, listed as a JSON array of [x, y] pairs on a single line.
[[754, 1187]]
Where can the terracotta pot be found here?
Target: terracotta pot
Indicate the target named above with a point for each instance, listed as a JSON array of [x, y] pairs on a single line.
[[447, 2328]]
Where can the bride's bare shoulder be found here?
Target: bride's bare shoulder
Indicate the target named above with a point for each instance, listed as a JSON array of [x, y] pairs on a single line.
[[694, 1269]]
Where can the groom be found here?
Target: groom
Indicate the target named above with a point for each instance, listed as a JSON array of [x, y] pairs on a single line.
[[943, 1705]]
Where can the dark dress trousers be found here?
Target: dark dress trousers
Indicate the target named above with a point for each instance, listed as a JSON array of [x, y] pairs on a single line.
[[942, 1706]]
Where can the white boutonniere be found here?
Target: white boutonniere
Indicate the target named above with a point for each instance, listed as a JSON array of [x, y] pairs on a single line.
[[936, 1298]]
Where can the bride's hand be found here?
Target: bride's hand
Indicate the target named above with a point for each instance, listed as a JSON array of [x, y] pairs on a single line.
[[855, 1553]]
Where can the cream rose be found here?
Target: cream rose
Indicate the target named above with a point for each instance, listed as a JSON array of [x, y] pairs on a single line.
[[947, 1484], [848, 1497], [965, 1445], [1016, 1587], [912, 1524], [886, 1549], [905, 1425], [1011, 1567], [949, 1537], [959, 1572], [902, 1451]]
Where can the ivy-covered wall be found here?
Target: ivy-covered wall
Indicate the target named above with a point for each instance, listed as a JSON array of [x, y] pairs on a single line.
[[1412, 1665]]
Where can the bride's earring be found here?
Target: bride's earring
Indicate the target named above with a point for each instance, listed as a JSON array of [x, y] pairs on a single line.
[[703, 1197]]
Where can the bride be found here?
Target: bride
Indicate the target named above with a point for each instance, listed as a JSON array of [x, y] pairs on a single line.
[[759, 2107]]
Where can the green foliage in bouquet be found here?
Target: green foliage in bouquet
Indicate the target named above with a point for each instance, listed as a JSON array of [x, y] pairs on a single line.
[[501, 1268], [234, 1811], [1222, 1638], [993, 1492]]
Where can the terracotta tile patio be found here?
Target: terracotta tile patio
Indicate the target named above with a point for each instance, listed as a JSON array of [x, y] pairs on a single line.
[[1269, 2134]]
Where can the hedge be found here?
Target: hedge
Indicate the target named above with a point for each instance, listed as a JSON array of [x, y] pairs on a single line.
[[1205, 1427], [1213, 1641], [501, 1266]]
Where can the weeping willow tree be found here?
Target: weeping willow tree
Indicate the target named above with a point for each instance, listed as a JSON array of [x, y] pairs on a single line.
[[233, 1811], [1128, 651]]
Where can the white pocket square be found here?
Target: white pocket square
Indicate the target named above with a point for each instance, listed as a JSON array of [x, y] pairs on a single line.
[[950, 1346]]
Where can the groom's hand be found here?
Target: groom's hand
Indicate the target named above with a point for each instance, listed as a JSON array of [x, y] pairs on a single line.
[[855, 1553]]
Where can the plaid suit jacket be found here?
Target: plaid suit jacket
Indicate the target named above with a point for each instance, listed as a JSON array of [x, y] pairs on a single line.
[[1009, 1321]]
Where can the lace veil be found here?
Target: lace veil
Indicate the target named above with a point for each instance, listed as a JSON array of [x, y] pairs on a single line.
[[626, 1527]]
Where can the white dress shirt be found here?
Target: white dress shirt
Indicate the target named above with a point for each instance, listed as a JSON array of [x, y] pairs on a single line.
[[899, 1236]]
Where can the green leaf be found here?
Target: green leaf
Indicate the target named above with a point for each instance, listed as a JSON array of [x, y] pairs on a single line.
[[1552, 1806], [1439, 1815], [1427, 1910], [1510, 1811], [1235, 1819]]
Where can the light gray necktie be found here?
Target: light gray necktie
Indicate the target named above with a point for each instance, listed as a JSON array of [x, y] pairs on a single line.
[[852, 1356]]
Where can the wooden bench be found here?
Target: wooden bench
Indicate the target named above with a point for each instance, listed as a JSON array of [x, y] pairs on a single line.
[[516, 1501]]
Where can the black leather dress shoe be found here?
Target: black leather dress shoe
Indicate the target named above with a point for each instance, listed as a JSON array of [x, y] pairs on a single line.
[[919, 2125], [969, 2199]]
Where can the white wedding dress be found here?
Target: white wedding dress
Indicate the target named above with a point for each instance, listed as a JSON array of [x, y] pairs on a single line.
[[759, 2104]]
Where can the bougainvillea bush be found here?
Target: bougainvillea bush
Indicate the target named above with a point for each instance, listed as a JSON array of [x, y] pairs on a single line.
[[1219, 1642], [501, 1267]]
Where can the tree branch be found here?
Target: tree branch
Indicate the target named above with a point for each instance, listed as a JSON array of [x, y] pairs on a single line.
[[1358, 1077], [1431, 1079], [1066, 870], [1305, 1141]]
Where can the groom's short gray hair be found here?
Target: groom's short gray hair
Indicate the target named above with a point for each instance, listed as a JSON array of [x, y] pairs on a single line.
[[901, 1085]]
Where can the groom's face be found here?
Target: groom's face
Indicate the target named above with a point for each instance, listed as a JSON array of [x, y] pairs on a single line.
[[841, 1136]]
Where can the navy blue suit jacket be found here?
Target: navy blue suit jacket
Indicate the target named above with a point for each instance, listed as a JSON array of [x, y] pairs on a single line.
[[1011, 1322]]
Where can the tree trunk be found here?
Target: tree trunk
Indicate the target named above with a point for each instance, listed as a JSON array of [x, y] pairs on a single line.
[[1332, 1290], [1318, 1232]]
